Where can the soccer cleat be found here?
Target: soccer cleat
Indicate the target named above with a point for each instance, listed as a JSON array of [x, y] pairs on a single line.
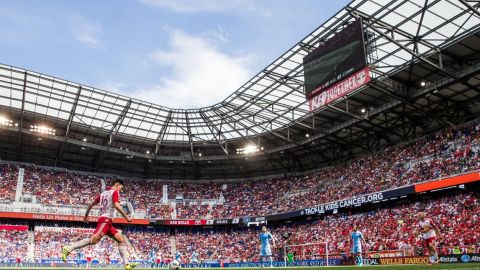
[[65, 253], [130, 266]]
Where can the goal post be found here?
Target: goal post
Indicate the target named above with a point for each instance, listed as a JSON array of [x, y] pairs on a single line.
[[307, 251]]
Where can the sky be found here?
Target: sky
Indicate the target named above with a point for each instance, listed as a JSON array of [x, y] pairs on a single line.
[[175, 53]]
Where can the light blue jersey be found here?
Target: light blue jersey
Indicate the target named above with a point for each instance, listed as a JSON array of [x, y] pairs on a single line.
[[80, 257], [178, 256], [265, 249], [265, 239], [357, 241], [152, 256], [194, 257]]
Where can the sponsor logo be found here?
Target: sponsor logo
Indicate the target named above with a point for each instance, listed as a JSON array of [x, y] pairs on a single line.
[[340, 89], [260, 219], [179, 222], [235, 221], [371, 261], [465, 258], [448, 259], [405, 260]]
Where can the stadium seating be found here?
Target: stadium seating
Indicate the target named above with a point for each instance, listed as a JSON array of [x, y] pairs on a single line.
[[144, 241], [49, 242], [441, 154], [387, 228], [196, 211], [8, 182], [14, 244], [458, 217], [60, 188]]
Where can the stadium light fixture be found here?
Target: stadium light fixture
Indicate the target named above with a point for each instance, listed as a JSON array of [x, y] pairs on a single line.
[[363, 110], [199, 154], [423, 83], [43, 130], [147, 152], [6, 122], [307, 135], [84, 139], [249, 149]]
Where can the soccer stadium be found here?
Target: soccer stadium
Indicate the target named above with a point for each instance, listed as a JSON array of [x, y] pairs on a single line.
[[358, 146]]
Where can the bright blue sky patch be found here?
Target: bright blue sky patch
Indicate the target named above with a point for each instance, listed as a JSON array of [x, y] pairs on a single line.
[[177, 53]]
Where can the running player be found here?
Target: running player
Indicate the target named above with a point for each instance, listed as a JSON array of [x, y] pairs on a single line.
[[151, 258], [429, 232], [265, 250], [194, 258], [80, 258], [179, 257], [159, 259], [109, 202], [357, 241], [89, 258]]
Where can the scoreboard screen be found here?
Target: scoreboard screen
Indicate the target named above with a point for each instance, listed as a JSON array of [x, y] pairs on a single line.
[[335, 59]]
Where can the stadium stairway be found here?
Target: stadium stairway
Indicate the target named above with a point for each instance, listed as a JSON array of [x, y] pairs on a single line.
[[174, 212], [31, 245], [19, 188], [104, 186], [173, 244]]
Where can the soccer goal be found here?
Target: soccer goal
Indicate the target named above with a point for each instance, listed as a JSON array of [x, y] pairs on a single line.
[[307, 251]]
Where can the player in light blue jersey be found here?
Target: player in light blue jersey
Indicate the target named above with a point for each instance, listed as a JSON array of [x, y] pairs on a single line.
[[80, 258], [178, 257], [194, 258], [265, 249], [151, 258], [357, 241]]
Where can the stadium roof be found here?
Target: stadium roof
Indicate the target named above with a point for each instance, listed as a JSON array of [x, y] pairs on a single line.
[[435, 41]]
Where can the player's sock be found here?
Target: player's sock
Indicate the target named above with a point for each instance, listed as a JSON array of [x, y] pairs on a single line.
[[122, 249], [80, 244], [360, 260], [271, 261]]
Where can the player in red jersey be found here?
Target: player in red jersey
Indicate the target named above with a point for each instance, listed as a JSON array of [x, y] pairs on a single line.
[[429, 232], [109, 201]]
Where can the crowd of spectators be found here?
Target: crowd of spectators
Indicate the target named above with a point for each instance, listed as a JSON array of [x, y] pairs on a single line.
[[386, 228], [457, 216], [160, 211], [8, 182], [52, 187], [195, 191], [146, 241], [13, 244], [447, 152], [192, 210], [441, 154], [50, 240]]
